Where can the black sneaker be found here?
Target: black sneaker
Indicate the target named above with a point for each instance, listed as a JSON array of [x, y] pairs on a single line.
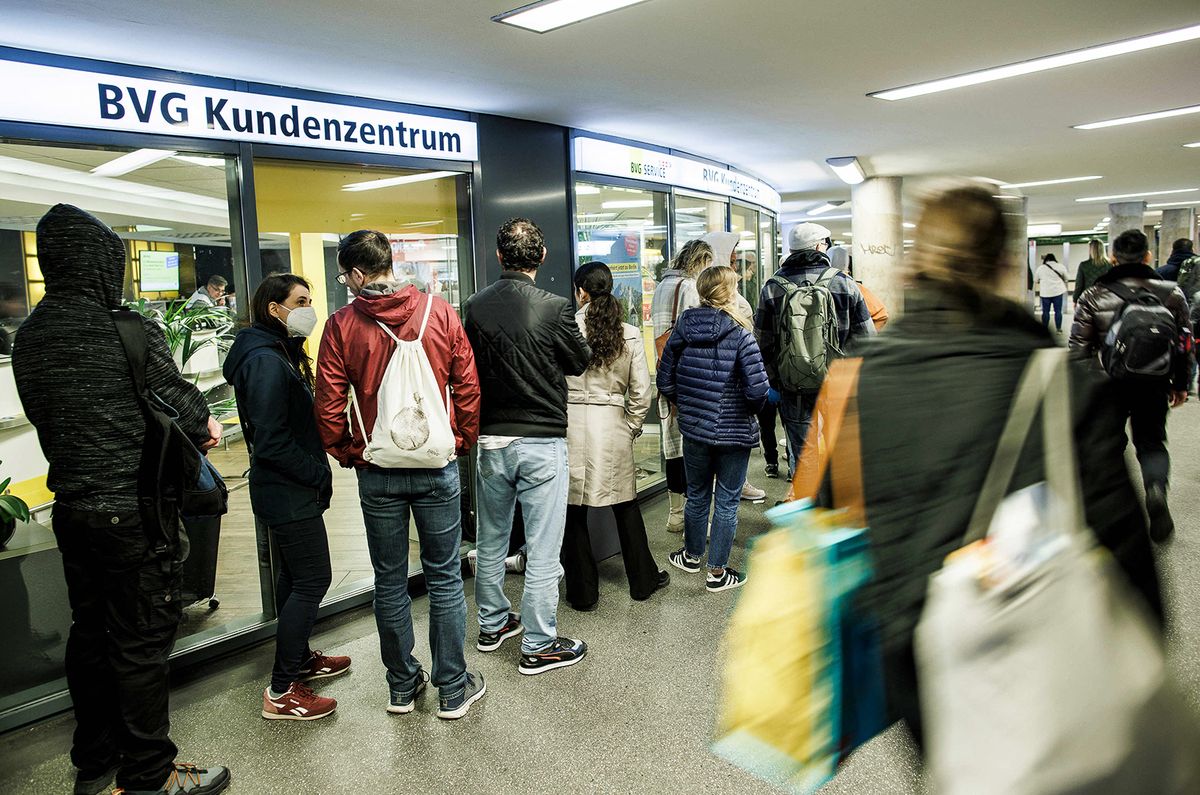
[[726, 580], [682, 560], [1162, 526], [661, 581], [94, 782], [187, 780], [561, 653], [490, 641], [772, 470], [455, 708]]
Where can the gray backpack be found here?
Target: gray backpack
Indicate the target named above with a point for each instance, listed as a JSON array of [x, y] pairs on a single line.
[[1189, 277], [808, 333]]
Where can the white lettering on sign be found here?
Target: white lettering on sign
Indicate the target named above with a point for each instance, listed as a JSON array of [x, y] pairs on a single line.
[[620, 160], [54, 95]]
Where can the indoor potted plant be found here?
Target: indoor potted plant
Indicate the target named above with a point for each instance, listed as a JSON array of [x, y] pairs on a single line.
[[12, 508]]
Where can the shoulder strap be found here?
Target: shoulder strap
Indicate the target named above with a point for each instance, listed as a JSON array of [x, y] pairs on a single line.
[[835, 406], [675, 302], [133, 340], [1126, 293], [827, 276], [425, 320]]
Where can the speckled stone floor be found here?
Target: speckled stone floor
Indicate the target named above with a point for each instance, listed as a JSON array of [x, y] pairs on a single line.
[[635, 717]]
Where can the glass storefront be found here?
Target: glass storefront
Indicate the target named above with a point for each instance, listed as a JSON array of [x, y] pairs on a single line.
[[304, 209], [626, 228], [696, 216], [747, 255]]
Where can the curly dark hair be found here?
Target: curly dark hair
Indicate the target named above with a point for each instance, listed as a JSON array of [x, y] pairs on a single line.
[[604, 323], [520, 244]]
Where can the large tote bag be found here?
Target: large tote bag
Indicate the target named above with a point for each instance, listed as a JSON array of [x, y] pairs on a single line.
[[1039, 671]]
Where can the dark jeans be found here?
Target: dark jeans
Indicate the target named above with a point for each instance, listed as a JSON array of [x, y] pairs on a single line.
[[431, 496], [125, 609], [766, 429], [579, 566], [727, 466], [302, 549], [676, 476], [1055, 302], [796, 411], [1147, 407]]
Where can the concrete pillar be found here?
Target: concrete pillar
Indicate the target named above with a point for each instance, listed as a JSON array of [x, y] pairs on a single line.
[[1152, 241], [878, 227], [1123, 217], [1176, 224], [1015, 283]]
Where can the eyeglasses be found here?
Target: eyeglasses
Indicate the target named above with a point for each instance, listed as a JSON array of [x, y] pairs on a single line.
[[342, 277]]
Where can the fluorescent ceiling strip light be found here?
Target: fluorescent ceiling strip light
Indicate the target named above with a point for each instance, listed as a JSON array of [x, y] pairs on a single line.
[[908, 225], [1043, 230], [1136, 195], [1008, 186], [131, 162], [1161, 114], [626, 204], [1193, 146], [586, 190], [201, 161], [847, 169], [1171, 204], [825, 208], [547, 15], [389, 182], [1042, 64]]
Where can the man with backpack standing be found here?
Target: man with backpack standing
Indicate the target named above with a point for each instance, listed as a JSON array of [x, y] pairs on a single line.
[[1135, 326], [526, 343], [809, 314], [402, 361]]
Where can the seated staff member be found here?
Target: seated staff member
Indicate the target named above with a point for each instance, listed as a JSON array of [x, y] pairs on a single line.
[[290, 484]]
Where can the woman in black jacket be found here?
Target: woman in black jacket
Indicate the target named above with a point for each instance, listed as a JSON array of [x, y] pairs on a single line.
[[290, 484]]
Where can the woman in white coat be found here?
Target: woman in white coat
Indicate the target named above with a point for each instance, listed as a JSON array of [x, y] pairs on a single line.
[[1052, 287], [606, 407]]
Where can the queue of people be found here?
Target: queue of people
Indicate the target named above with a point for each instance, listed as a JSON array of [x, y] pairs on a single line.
[[552, 398]]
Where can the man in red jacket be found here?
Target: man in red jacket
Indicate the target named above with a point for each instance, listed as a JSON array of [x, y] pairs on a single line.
[[355, 353]]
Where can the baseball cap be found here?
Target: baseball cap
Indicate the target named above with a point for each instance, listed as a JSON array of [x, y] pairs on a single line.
[[807, 235]]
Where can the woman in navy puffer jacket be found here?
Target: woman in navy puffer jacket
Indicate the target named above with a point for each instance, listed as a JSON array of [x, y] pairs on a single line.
[[712, 373]]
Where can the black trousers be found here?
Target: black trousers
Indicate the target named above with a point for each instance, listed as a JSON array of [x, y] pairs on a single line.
[[766, 429], [1147, 407], [676, 476], [302, 549], [125, 610], [579, 566]]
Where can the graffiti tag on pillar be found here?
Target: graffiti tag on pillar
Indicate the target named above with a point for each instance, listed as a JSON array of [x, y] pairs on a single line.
[[878, 248]]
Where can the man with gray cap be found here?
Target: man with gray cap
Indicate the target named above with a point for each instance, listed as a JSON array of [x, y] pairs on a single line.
[[797, 288]]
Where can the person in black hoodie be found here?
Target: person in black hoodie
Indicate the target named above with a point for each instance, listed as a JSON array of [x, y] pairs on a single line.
[[290, 484], [77, 389]]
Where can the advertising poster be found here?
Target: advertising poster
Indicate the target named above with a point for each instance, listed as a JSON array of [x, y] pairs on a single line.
[[625, 262]]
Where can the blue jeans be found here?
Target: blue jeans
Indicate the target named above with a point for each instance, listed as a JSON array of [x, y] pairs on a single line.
[[432, 496], [796, 411], [728, 466], [1055, 302], [534, 471]]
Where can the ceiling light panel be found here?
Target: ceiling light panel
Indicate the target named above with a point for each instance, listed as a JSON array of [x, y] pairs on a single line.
[[131, 162], [548, 15], [1193, 146], [390, 182], [1161, 114], [1136, 195], [848, 169], [825, 208], [1042, 64], [1039, 183]]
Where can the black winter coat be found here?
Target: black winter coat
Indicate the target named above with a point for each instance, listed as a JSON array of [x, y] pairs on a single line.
[[290, 477], [933, 396], [1097, 310], [526, 343], [712, 370]]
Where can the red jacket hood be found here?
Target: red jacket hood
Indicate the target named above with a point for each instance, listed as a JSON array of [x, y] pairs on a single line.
[[394, 309]]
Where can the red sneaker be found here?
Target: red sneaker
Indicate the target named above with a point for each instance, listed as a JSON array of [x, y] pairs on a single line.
[[320, 666], [298, 703]]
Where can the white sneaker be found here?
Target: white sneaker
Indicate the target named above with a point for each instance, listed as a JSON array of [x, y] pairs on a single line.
[[752, 493], [514, 564], [473, 561]]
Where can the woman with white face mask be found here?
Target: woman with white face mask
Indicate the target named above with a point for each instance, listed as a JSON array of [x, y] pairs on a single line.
[[290, 483]]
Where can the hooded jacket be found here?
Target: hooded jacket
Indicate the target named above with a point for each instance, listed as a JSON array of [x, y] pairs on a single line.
[[853, 316], [712, 371], [526, 343], [1170, 271], [289, 473], [355, 352], [1098, 308], [72, 375]]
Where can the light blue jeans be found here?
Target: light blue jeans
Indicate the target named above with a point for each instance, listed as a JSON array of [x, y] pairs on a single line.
[[432, 496], [534, 471]]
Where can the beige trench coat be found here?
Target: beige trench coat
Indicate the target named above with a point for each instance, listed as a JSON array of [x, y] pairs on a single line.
[[605, 412]]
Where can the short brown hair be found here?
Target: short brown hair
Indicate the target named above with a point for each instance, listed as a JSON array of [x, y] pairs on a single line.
[[367, 250]]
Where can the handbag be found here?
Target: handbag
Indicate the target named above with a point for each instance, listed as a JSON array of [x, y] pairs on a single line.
[[660, 342], [797, 636], [174, 477], [1039, 671]]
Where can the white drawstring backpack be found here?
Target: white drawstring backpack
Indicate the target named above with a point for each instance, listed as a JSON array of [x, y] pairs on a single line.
[[412, 425]]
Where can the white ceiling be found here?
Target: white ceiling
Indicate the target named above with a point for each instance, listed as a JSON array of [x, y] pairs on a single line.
[[773, 87]]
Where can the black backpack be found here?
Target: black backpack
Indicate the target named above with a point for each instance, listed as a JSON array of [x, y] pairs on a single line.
[[174, 478], [1141, 343], [1189, 277]]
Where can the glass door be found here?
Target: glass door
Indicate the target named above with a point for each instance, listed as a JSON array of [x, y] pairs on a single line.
[[744, 221]]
